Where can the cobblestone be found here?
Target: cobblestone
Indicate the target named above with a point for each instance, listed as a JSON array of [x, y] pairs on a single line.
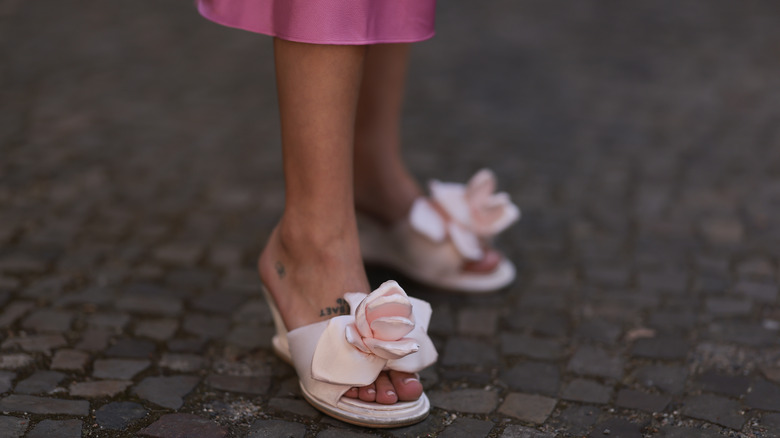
[[474, 401], [529, 408], [118, 415], [56, 429], [276, 428], [647, 294], [184, 425]]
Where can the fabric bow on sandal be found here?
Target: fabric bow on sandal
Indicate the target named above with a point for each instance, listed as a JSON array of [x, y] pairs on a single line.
[[386, 330], [443, 232]]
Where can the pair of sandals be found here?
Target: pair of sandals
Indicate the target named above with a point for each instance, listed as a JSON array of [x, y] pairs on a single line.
[[387, 329]]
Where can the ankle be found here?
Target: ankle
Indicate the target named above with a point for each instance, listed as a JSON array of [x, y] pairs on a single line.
[[385, 204]]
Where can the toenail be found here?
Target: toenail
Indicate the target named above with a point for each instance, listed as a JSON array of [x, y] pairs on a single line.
[[371, 391], [390, 393], [409, 380]]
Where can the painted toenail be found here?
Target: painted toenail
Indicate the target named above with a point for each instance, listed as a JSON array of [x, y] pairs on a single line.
[[409, 380], [390, 393], [371, 391]]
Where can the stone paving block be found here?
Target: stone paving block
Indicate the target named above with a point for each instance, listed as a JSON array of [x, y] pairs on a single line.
[[666, 321], [594, 361], [475, 401], [225, 256], [661, 348], [616, 427], [515, 344], [764, 395], [93, 340], [757, 292], [131, 347], [43, 405], [674, 282], [13, 311], [69, 360], [179, 254], [714, 381], [722, 306], [517, 431], [578, 420], [533, 377], [477, 321], [14, 361], [742, 332], [184, 426], [22, 264], [6, 380], [168, 392], [467, 428], [342, 433], [187, 345], [668, 378], [293, 406], [185, 363], [756, 267], [100, 388], [36, 343], [48, 320], [276, 428], [528, 407], [122, 369], [713, 408], [13, 427], [152, 305], [218, 302], [552, 324], [770, 420], [209, 327], [39, 382], [255, 313], [688, 432], [111, 321], [600, 330], [631, 399], [56, 429], [47, 288], [160, 329], [586, 391], [119, 415], [461, 351], [251, 337], [430, 426], [722, 230], [190, 279], [241, 384]]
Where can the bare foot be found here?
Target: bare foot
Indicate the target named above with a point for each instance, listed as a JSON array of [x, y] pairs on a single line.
[[307, 277]]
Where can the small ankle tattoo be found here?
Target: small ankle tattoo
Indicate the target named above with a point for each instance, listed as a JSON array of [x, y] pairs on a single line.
[[280, 269], [342, 308]]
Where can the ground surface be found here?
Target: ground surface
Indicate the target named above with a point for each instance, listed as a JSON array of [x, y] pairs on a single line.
[[140, 174]]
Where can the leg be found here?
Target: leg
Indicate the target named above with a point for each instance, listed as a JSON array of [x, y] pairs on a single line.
[[313, 257], [384, 187]]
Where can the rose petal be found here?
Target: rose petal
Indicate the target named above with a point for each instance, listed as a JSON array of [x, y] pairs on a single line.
[[354, 338], [391, 328], [466, 242], [361, 323], [392, 349], [481, 185], [427, 221], [452, 198], [391, 305]]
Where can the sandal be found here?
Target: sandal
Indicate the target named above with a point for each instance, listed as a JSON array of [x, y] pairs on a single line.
[[386, 330], [443, 232]]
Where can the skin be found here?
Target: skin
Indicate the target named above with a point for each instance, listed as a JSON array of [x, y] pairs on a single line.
[[340, 112]]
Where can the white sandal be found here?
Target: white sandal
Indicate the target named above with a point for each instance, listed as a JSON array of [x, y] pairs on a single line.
[[386, 330], [443, 232]]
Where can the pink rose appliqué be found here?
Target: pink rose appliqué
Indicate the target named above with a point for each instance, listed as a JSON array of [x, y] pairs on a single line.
[[382, 320], [476, 213]]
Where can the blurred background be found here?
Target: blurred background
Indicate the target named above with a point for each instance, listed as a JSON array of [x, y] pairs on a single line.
[[139, 145]]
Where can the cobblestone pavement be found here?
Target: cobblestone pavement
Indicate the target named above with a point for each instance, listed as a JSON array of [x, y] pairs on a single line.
[[140, 173]]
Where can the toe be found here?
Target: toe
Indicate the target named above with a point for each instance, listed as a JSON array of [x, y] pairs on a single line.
[[385, 392], [352, 393], [407, 386], [367, 393], [488, 263]]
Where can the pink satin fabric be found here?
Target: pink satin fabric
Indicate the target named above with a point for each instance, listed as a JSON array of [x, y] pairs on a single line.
[[328, 21]]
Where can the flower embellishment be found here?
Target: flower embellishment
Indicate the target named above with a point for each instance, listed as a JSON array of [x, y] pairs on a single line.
[[469, 214], [382, 320], [386, 330]]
